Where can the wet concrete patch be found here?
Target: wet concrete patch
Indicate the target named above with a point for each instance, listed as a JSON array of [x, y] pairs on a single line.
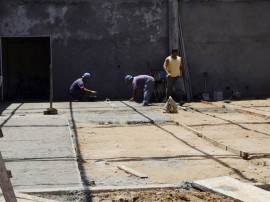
[[43, 173], [121, 116], [38, 149]]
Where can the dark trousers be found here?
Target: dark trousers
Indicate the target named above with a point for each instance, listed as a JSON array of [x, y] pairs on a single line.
[[176, 83]]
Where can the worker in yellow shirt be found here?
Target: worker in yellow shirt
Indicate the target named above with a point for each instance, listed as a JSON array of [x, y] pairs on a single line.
[[173, 66]]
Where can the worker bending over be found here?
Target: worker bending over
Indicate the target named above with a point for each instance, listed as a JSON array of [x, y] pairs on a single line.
[[144, 82]]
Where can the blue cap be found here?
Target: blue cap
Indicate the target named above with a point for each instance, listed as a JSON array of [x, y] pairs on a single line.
[[128, 78], [86, 75]]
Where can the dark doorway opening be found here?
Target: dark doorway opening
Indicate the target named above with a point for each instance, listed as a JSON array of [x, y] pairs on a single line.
[[26, 68]]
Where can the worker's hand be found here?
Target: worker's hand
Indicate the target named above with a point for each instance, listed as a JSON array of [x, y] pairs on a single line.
[[94, 92], [169, 75], [131, 99]]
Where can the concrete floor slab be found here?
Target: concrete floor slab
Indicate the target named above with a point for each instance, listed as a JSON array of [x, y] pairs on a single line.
[[31, 174], [38, 149], [114, 133], [36, 142], [30, 119]]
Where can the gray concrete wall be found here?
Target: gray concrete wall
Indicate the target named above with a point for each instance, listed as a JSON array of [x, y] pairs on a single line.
[[107, 38], [227, 39], [230, 41]]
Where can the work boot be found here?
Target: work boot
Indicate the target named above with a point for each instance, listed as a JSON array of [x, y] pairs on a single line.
[[181, 103], [145, 104]]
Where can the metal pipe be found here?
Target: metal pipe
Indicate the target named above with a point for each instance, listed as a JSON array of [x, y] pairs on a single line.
[[184, 56], [51, 86], [51, 75]]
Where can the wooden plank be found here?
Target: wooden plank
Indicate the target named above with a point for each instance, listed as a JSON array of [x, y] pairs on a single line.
[[237, 152], [233, 188], [131, 171], [5, 183], [188, 128]]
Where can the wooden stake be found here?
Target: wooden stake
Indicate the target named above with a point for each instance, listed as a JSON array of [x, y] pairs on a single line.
[[5, 183], [131, 171], [242, 154]]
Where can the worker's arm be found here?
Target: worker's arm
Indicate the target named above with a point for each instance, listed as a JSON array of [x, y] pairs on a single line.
[[165, 65], [133, 94], [89, 91]]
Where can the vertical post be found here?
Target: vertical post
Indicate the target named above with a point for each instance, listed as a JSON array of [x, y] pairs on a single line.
[[176, 39], [173, 25], [5, 183], [183, 54], [1, 70], [51, 110], [51, 86]]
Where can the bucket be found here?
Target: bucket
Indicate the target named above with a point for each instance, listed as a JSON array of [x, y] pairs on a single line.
[[218, 95]]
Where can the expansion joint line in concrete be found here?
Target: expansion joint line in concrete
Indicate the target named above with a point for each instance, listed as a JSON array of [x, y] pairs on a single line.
[[231, 122], [242, 154], [239, 153], [240, 109], [243, 111], [237, 109], [79, 158]]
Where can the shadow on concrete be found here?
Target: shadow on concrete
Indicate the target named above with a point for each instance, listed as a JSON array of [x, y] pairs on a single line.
[[238, 124], [258, 156], [84, 177], [157, 158], [3, 107], [236, 171], [46, 159]]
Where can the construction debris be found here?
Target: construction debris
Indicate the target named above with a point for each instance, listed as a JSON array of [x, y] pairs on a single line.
[[232, 188], [50, 111], [171, 106]]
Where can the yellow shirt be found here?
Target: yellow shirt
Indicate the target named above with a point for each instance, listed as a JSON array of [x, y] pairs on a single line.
[[173, 66]]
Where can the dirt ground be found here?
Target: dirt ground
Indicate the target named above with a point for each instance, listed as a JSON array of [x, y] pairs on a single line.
[[168, 153], [139, 196]]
